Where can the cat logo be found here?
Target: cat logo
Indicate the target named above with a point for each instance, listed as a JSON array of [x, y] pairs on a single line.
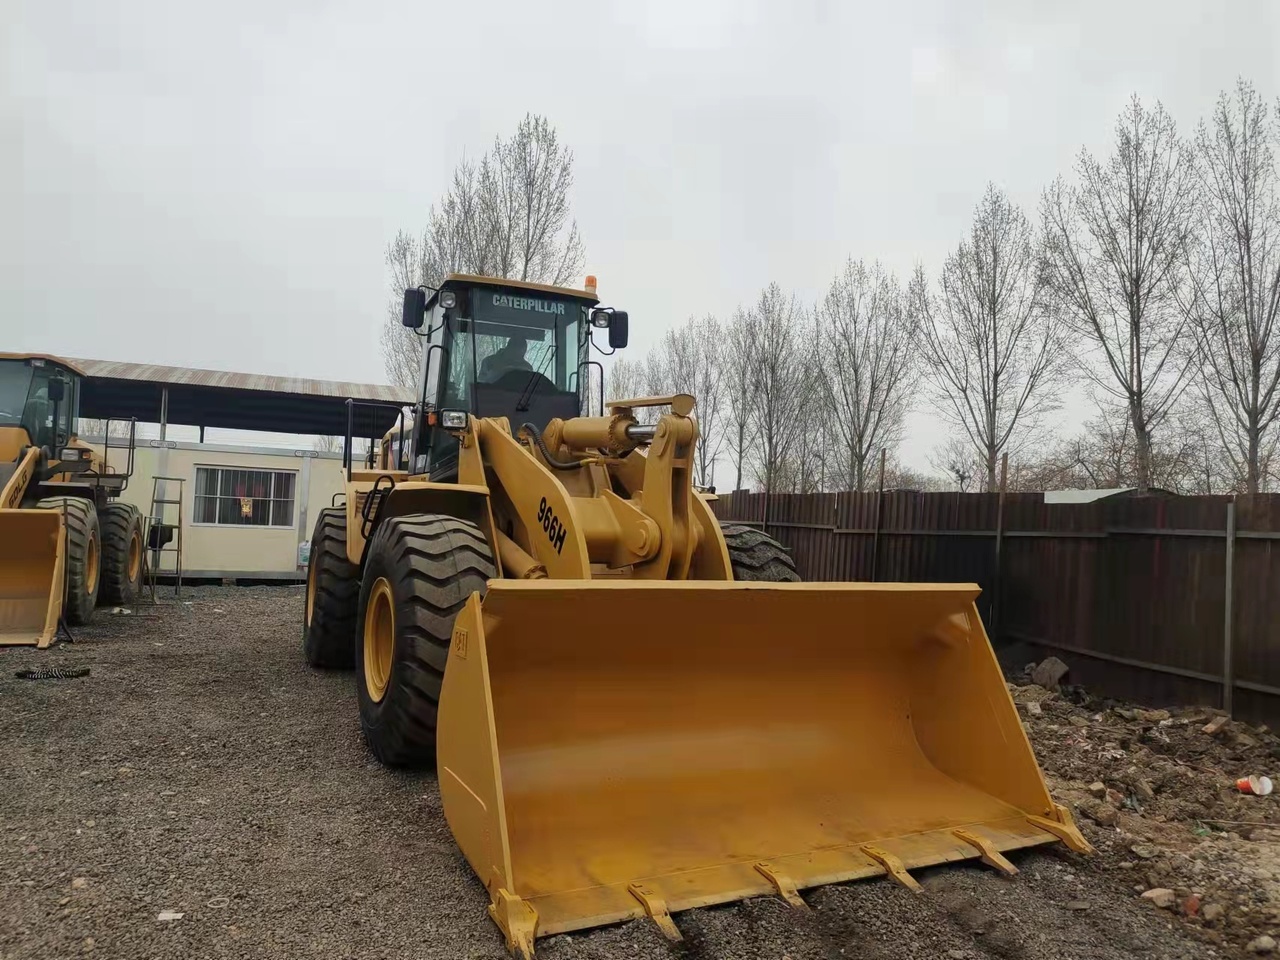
[[528, 303]]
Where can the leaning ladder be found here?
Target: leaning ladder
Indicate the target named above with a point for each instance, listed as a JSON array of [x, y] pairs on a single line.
[[157, 520]]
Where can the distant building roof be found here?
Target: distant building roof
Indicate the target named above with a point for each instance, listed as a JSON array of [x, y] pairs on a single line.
[[197, 377], [238, 401]]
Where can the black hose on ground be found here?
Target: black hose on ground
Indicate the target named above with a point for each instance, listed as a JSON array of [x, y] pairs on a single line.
[[52, 673]]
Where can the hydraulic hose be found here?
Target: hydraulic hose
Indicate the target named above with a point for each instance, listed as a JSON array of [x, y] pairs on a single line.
[[546, 454]]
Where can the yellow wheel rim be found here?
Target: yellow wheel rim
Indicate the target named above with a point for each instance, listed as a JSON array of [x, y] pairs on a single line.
[[91, 566], [379, 639], [135, 555], [311, 588]]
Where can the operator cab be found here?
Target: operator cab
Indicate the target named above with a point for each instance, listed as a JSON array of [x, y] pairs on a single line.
[[39, 404], [499, 348]]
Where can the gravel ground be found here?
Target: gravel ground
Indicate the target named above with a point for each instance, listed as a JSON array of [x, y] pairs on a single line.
[[1154, 790], [202, 769]]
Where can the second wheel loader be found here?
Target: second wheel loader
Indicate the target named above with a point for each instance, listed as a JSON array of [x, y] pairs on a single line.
[[67, 542], [634, 710]]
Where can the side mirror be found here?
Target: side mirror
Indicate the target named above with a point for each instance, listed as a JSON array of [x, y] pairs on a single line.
[[415, 308], [618, 330], [57, 390]]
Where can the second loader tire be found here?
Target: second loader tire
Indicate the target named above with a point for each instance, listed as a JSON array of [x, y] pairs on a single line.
[[754, 555], [83, 557], [120, 525], [333, 595], [420, 570]]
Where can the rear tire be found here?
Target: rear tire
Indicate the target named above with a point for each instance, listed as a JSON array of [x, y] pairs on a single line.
[[757, 556], [121, 527], [419, 572], [333, 595], [83, 558]]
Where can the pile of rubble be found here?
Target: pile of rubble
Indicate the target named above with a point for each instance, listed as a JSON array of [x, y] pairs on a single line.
[[1156, 792]]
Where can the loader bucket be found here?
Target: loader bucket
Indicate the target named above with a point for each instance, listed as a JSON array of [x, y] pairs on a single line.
[[610, 750], [31, 575]]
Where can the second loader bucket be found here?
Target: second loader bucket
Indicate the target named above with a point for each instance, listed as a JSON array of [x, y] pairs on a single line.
[[615, 749], [31, 576]]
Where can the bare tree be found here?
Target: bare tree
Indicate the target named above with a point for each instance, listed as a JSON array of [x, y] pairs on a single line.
[[781, 386], [624, 379], [867, 364], [1235, 307], [638, 376], [90, 427], [328, 444], [1053, 471], [406, 258], [898, 476], [738, 382], [819, 432], [957, 459], [1183, 457], [1117, 247], [991, 342], [689, 357], [507, 215]]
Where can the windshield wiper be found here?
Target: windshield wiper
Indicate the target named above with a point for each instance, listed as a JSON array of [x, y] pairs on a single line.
[[535, 378]]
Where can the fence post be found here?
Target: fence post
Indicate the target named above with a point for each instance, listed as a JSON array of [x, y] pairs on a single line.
[[1228, 666], [830, 572], [999, 580], [875, 535]]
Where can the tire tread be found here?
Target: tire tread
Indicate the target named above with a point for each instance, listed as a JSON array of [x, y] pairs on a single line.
[[329, 641], [756, 556], [433, 563], [81, 519], [116, 524]]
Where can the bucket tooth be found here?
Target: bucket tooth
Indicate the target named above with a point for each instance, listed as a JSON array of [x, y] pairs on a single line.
[[987, 852], [1064, 828], [598, 783], [783, 884], [656, 907], [517, 920], [893, 867]]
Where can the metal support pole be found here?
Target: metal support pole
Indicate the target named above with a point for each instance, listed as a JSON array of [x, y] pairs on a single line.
[[997, 583], [161, 469], [302, 496], [1228, 665], [875, 537]]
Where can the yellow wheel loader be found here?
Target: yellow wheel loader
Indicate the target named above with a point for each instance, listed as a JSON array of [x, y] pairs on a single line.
[[66, 541], [632, 710]]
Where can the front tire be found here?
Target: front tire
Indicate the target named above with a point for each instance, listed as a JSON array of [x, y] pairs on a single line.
[[757, 556], [83, 560], [121, 527], [333, 595], [420, 570]]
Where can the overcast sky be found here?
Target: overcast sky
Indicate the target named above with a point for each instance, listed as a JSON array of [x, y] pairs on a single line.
[[213, 184]]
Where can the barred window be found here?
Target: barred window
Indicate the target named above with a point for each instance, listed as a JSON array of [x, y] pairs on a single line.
[[245, 498]]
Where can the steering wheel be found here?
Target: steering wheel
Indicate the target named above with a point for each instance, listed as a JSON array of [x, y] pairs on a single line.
[[523, 380]]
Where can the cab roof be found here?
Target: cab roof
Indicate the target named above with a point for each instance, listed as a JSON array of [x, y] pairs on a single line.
[[48, 358], [470, 279]]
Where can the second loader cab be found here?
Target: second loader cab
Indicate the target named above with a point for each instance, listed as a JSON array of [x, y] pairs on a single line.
[[40, 407], [499, 348], [39, 404]]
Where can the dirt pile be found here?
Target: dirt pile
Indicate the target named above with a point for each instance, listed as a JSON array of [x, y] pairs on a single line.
[[1155, 791]]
